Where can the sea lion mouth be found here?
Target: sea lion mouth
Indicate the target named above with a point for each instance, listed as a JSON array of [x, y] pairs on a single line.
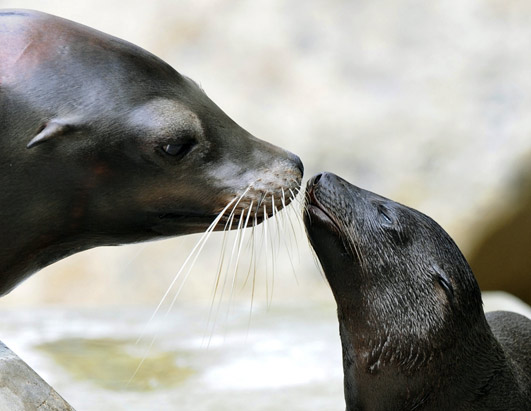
[[191, 218], [179, 223], [186, 216], [316, 208]]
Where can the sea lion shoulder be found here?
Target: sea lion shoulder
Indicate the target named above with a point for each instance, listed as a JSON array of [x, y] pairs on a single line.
[[513, 332]]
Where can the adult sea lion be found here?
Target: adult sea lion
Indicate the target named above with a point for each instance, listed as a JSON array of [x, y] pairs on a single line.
[[411, 321], [103, 143]]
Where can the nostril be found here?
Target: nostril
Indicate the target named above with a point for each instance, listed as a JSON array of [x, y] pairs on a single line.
[[316, 178]]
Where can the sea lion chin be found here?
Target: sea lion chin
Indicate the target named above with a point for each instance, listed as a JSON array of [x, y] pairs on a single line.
[[103, 143], [413, 331]]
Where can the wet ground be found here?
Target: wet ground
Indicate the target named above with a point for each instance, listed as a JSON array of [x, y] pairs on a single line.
[[279, 358], [285, 357]]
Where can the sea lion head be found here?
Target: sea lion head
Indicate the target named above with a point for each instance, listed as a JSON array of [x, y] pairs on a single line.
[[133, 146], [104, 143], [409, 308], [387, 263]]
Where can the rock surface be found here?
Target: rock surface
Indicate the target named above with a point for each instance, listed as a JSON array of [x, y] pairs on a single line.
[[501, 259], [22, 389]]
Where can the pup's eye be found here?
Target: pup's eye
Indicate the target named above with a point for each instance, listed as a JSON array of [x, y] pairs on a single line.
[[447, 286], [172, 149], [177, 150], [444, 282], [384, 214]]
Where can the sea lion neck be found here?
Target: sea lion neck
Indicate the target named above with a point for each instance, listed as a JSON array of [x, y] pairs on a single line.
[[382, 368]]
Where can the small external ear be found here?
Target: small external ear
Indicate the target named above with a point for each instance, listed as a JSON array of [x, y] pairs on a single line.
[[54, 128]]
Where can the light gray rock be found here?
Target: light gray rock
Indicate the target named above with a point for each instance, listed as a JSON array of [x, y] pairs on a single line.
[[22, 389]]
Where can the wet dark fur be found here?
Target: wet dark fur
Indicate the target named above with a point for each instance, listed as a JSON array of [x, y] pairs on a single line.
[[412, 326]]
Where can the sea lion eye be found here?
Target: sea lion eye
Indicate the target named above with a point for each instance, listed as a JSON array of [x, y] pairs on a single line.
[[444, 282], [384, 214], [172, 149], [177, 150]]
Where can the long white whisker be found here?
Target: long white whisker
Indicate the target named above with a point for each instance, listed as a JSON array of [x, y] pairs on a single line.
[[287, 217], [229, 265], [216, 288], [300, 224], [252, 291], [144, 357], [228, 227], [253, 287], [264, 238], [240, 199], [273, 261], [283, 212], [198, 245], [187, 275], [242, 237], [232, 259], [274, 211], [253, 250], [302, 207]]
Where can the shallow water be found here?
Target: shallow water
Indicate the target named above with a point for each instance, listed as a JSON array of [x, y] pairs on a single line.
[[281, 358], [286, 357]]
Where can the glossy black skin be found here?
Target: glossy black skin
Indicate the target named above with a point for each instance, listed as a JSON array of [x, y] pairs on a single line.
[[412, 326], [84, 122]]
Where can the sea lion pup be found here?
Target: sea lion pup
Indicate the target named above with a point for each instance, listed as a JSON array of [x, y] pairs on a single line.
[[102, 143], [411, 321]]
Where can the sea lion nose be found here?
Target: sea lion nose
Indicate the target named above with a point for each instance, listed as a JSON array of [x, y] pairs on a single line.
[[322, 178], [298, 162], [313, 182], [315, 179]]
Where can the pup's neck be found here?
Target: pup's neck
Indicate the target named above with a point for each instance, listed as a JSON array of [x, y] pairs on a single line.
[[385, 369]]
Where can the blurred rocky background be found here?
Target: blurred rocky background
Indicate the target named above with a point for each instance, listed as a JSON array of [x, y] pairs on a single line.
[[424, 102]]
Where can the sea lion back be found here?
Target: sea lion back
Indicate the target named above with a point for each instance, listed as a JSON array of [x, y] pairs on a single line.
[[513, 332]]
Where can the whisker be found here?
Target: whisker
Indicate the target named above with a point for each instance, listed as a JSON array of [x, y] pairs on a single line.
[[274, 214], [302, 203], [181, 286], [262, 197], [253, 250], [229, 266], [253, 288], [288, 247], [236, 246], [273, 259], [241, 229], [219, 270], [264, 243], [218, 278], [144, 357], [198, 253], [295, 237], [240, 199], [199, 245]]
